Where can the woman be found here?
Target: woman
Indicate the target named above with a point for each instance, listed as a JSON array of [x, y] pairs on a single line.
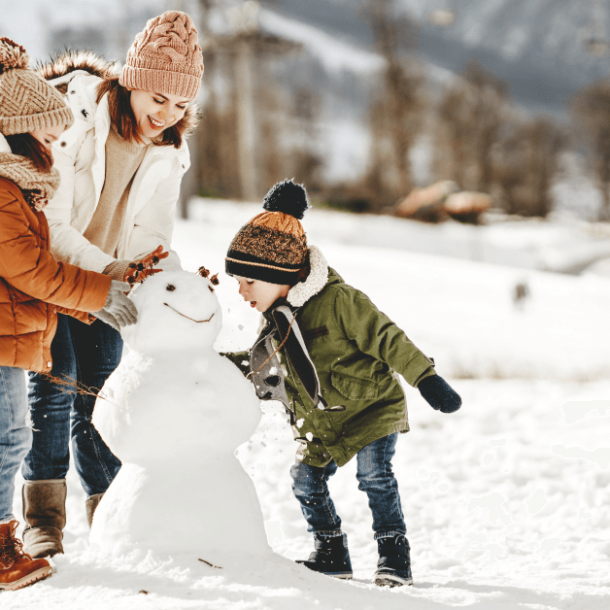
[[121, 165], [33, 285]]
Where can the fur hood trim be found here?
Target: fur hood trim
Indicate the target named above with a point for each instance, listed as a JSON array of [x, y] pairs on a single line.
[[74, 61], [315, 282], [67, 66]]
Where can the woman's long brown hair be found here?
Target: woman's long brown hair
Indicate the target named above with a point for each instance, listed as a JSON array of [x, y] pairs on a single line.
[[122, 117], [26, 145]]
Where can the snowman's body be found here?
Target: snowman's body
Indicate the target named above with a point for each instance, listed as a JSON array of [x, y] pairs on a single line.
[[176, 412]]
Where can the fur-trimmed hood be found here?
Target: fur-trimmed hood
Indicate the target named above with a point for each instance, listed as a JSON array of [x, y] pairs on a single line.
[[70, 61], [300, 293], [61, 69]]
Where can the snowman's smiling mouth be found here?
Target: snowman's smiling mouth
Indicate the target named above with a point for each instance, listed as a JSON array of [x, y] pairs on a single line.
[[187, 317]]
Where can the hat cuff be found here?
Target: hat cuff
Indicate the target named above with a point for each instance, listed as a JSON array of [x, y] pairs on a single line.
[[265, 272], [25, 124], [160, 81]]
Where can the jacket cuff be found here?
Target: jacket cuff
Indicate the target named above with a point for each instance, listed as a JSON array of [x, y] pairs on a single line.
[[116, 270], [427, 373], [81, 316], [417, 369]]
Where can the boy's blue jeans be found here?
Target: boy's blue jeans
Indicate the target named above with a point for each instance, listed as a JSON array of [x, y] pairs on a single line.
[[87, 354], [15, 434], [375, 477]]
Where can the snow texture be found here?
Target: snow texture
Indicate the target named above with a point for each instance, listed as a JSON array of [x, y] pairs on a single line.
[[505, 501]]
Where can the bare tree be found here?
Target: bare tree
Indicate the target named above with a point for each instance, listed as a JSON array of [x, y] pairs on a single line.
[[238, 145], [306, 161], [396, 112], [470, 117], [590, 111], [214, 144], [525, 163]]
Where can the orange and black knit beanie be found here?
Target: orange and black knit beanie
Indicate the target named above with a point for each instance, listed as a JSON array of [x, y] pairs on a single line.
[[272, 247]]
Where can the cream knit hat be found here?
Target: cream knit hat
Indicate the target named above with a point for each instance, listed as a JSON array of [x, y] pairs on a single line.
[[27, 102], [165, 57]]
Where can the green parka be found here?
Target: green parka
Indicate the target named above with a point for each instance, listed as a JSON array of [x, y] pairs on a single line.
[[357, 351]]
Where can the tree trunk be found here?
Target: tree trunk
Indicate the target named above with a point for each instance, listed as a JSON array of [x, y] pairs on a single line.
[[245, 120]]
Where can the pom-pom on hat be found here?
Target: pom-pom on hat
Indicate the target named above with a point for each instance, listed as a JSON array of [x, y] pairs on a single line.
[[27, 102], [272, 247], [165, 57]]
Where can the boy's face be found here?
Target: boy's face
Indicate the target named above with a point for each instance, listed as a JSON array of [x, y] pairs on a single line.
[[261, 295]]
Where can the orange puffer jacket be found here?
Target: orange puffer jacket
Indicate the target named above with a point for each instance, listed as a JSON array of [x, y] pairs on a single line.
[[34, 287]]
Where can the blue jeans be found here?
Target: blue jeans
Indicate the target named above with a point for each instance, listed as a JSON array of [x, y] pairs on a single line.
[[60, 413], [375, 478], [15, 434]]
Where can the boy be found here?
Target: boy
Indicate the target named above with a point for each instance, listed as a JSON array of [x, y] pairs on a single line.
[[336, 379]]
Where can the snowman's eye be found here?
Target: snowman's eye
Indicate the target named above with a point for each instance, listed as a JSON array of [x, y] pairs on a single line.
[[211, 289], [170, 288]]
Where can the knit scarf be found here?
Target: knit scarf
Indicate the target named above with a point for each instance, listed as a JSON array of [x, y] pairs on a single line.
[[36, 186]]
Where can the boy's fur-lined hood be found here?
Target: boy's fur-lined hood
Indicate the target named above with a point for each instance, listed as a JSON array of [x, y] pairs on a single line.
[[72, 62], [300, 293]]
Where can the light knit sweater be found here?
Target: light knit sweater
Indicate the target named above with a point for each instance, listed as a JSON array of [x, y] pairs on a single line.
[[123, 159]]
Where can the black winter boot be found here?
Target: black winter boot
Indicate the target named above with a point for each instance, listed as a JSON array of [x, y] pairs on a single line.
[[331, 557], [394, 565]]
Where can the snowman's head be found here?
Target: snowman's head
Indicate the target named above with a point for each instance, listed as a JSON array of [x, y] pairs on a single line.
[[177, 311]]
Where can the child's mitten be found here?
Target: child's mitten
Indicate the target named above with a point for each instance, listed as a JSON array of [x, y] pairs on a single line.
[[439, 394]]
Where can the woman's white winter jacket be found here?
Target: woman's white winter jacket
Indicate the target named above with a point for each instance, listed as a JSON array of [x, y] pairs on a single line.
[[80, 157]]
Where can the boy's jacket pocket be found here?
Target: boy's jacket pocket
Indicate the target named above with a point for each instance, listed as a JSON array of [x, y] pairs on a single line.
[[354, 388]]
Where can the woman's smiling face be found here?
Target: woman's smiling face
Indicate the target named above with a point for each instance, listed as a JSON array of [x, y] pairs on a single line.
[[155, 112]]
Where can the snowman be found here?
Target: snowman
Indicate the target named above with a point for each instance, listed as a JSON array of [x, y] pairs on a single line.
[[175, 413]]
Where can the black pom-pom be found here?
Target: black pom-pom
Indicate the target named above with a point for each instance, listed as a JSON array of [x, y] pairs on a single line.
[[287, 197]]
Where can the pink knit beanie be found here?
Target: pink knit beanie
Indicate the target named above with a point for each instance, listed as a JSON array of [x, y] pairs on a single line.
[[165, 57]]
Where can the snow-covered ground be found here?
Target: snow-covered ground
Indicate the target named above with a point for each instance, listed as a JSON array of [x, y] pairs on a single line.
[[507, 501], [564, 243]]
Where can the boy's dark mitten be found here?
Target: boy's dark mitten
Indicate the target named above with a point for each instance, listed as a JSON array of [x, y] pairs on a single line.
[[439, 394]]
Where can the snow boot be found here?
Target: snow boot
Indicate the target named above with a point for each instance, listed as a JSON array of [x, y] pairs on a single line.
[[91, 506], [16, 568], [44, 511], [394, 565], [331, 557]]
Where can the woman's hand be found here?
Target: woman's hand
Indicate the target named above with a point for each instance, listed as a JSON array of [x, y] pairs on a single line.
[[139, 270]]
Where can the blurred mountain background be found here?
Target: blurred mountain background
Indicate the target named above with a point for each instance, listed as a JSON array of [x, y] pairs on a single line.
[[545, 50], [368, 102]]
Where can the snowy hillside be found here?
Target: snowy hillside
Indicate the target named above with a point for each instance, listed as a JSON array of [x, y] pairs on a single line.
[[506, 501], [541, 47]]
